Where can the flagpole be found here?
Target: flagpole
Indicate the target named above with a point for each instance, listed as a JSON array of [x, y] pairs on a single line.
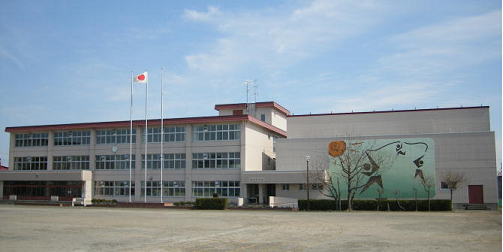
[[130, 136], [146, 136], [162, 137]]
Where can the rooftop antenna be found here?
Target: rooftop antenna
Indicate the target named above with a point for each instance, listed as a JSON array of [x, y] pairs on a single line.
[[249, 107], [248, 83], [255, 92]]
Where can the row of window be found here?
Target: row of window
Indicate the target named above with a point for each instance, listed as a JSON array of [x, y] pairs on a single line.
[[122, 136], [169, 188], [302, 187], [220, 160], [216, 160]]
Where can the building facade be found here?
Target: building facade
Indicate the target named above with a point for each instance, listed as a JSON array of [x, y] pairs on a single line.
[[202, 155], [245, 152], [417, 148]]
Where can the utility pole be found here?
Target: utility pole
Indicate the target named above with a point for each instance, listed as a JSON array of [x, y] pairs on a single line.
[[307, 184]]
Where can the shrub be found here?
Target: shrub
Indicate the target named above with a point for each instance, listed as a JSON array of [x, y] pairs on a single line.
[[371, 205], [104, 202], [211, 203]]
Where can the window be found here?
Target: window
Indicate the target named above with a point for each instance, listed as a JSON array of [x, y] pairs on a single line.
[[171, 134], [302, 187], [286, 187], [72, 138], [223, 188], [219, 160], [153, 188], [113, 188], [30, 163], [317, 187], [262, 117], [217, 132], [171, 161], [29, 140], [114, 136], [114, 162], [70, 163], [443, 186]]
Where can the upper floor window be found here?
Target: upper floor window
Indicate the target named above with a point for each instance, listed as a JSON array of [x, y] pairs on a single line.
[[114, 136], [30, 163], [217, 132], [171, 134], [114, 162], [219, 160], [70, 163], [171, 161], [34, 139], [72, 138]]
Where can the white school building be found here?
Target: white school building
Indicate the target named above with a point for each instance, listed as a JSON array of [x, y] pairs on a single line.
[[250, 152]]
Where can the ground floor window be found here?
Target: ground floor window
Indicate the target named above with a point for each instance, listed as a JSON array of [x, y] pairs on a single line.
[[43, 190], [112, 188], [286, 187], [169, 188], [208, 188]]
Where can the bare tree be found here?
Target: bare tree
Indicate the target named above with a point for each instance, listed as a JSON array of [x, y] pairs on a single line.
[[330, 185], [428, 184], [453, 180]]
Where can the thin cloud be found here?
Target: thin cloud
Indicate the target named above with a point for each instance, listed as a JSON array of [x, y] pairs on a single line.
[[433, 50], [201, 15], [273, 39], [10, 57]]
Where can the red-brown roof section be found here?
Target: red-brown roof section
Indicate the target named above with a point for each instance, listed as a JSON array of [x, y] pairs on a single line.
[[257, 105], [154, 122]]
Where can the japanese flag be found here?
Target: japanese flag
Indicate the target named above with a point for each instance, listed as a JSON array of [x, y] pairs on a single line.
[[141, 78]]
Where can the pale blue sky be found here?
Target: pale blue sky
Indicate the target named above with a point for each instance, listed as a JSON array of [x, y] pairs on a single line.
[[71, 61]]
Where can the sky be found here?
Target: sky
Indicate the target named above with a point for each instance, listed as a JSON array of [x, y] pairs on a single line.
[[71, 61]]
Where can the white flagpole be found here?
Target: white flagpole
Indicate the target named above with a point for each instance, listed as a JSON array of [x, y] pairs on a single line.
[[162, 137], [146, 136], [130, 136]]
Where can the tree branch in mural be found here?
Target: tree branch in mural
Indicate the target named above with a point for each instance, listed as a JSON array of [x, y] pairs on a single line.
[[352, 158]]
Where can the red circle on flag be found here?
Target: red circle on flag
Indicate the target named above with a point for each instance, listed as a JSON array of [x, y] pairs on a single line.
[[141, 77]]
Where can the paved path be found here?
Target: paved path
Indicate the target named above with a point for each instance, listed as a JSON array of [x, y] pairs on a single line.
[[41, 228]]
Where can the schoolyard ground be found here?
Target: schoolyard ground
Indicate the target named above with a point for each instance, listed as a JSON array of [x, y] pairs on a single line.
[[50, 228]]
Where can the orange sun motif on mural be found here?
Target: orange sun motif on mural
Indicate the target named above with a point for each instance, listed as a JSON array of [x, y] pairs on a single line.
[[336, 148]]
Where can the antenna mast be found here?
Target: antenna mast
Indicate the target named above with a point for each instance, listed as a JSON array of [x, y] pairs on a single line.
[[250, 107]]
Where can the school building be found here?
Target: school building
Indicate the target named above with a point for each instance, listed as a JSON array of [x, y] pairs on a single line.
[[249, 152]]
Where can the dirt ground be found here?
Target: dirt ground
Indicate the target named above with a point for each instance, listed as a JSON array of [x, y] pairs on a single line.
[[48, 228]]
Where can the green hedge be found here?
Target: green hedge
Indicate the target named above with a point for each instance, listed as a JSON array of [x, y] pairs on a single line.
[[104, 202], [371, 205], [212, 203]]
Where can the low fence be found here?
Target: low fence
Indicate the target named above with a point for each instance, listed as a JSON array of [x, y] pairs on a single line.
[[282, 202]]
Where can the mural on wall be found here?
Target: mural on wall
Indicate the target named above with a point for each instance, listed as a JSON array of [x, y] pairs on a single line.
[[388, 168]]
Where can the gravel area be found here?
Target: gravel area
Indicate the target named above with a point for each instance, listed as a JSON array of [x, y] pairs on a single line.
[[49, 228]]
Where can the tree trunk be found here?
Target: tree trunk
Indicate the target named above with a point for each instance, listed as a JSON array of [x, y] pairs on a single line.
[[451, 200]]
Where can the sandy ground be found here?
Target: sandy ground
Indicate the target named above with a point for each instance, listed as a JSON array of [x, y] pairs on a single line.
[[41, 228]]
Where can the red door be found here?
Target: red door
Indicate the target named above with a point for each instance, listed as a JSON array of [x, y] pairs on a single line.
[[475, 194]]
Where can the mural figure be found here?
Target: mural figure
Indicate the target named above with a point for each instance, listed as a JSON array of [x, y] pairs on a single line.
[[375, 177]]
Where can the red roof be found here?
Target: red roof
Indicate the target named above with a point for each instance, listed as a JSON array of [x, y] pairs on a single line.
[[154, 122], [257, 105], [4, 168]]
